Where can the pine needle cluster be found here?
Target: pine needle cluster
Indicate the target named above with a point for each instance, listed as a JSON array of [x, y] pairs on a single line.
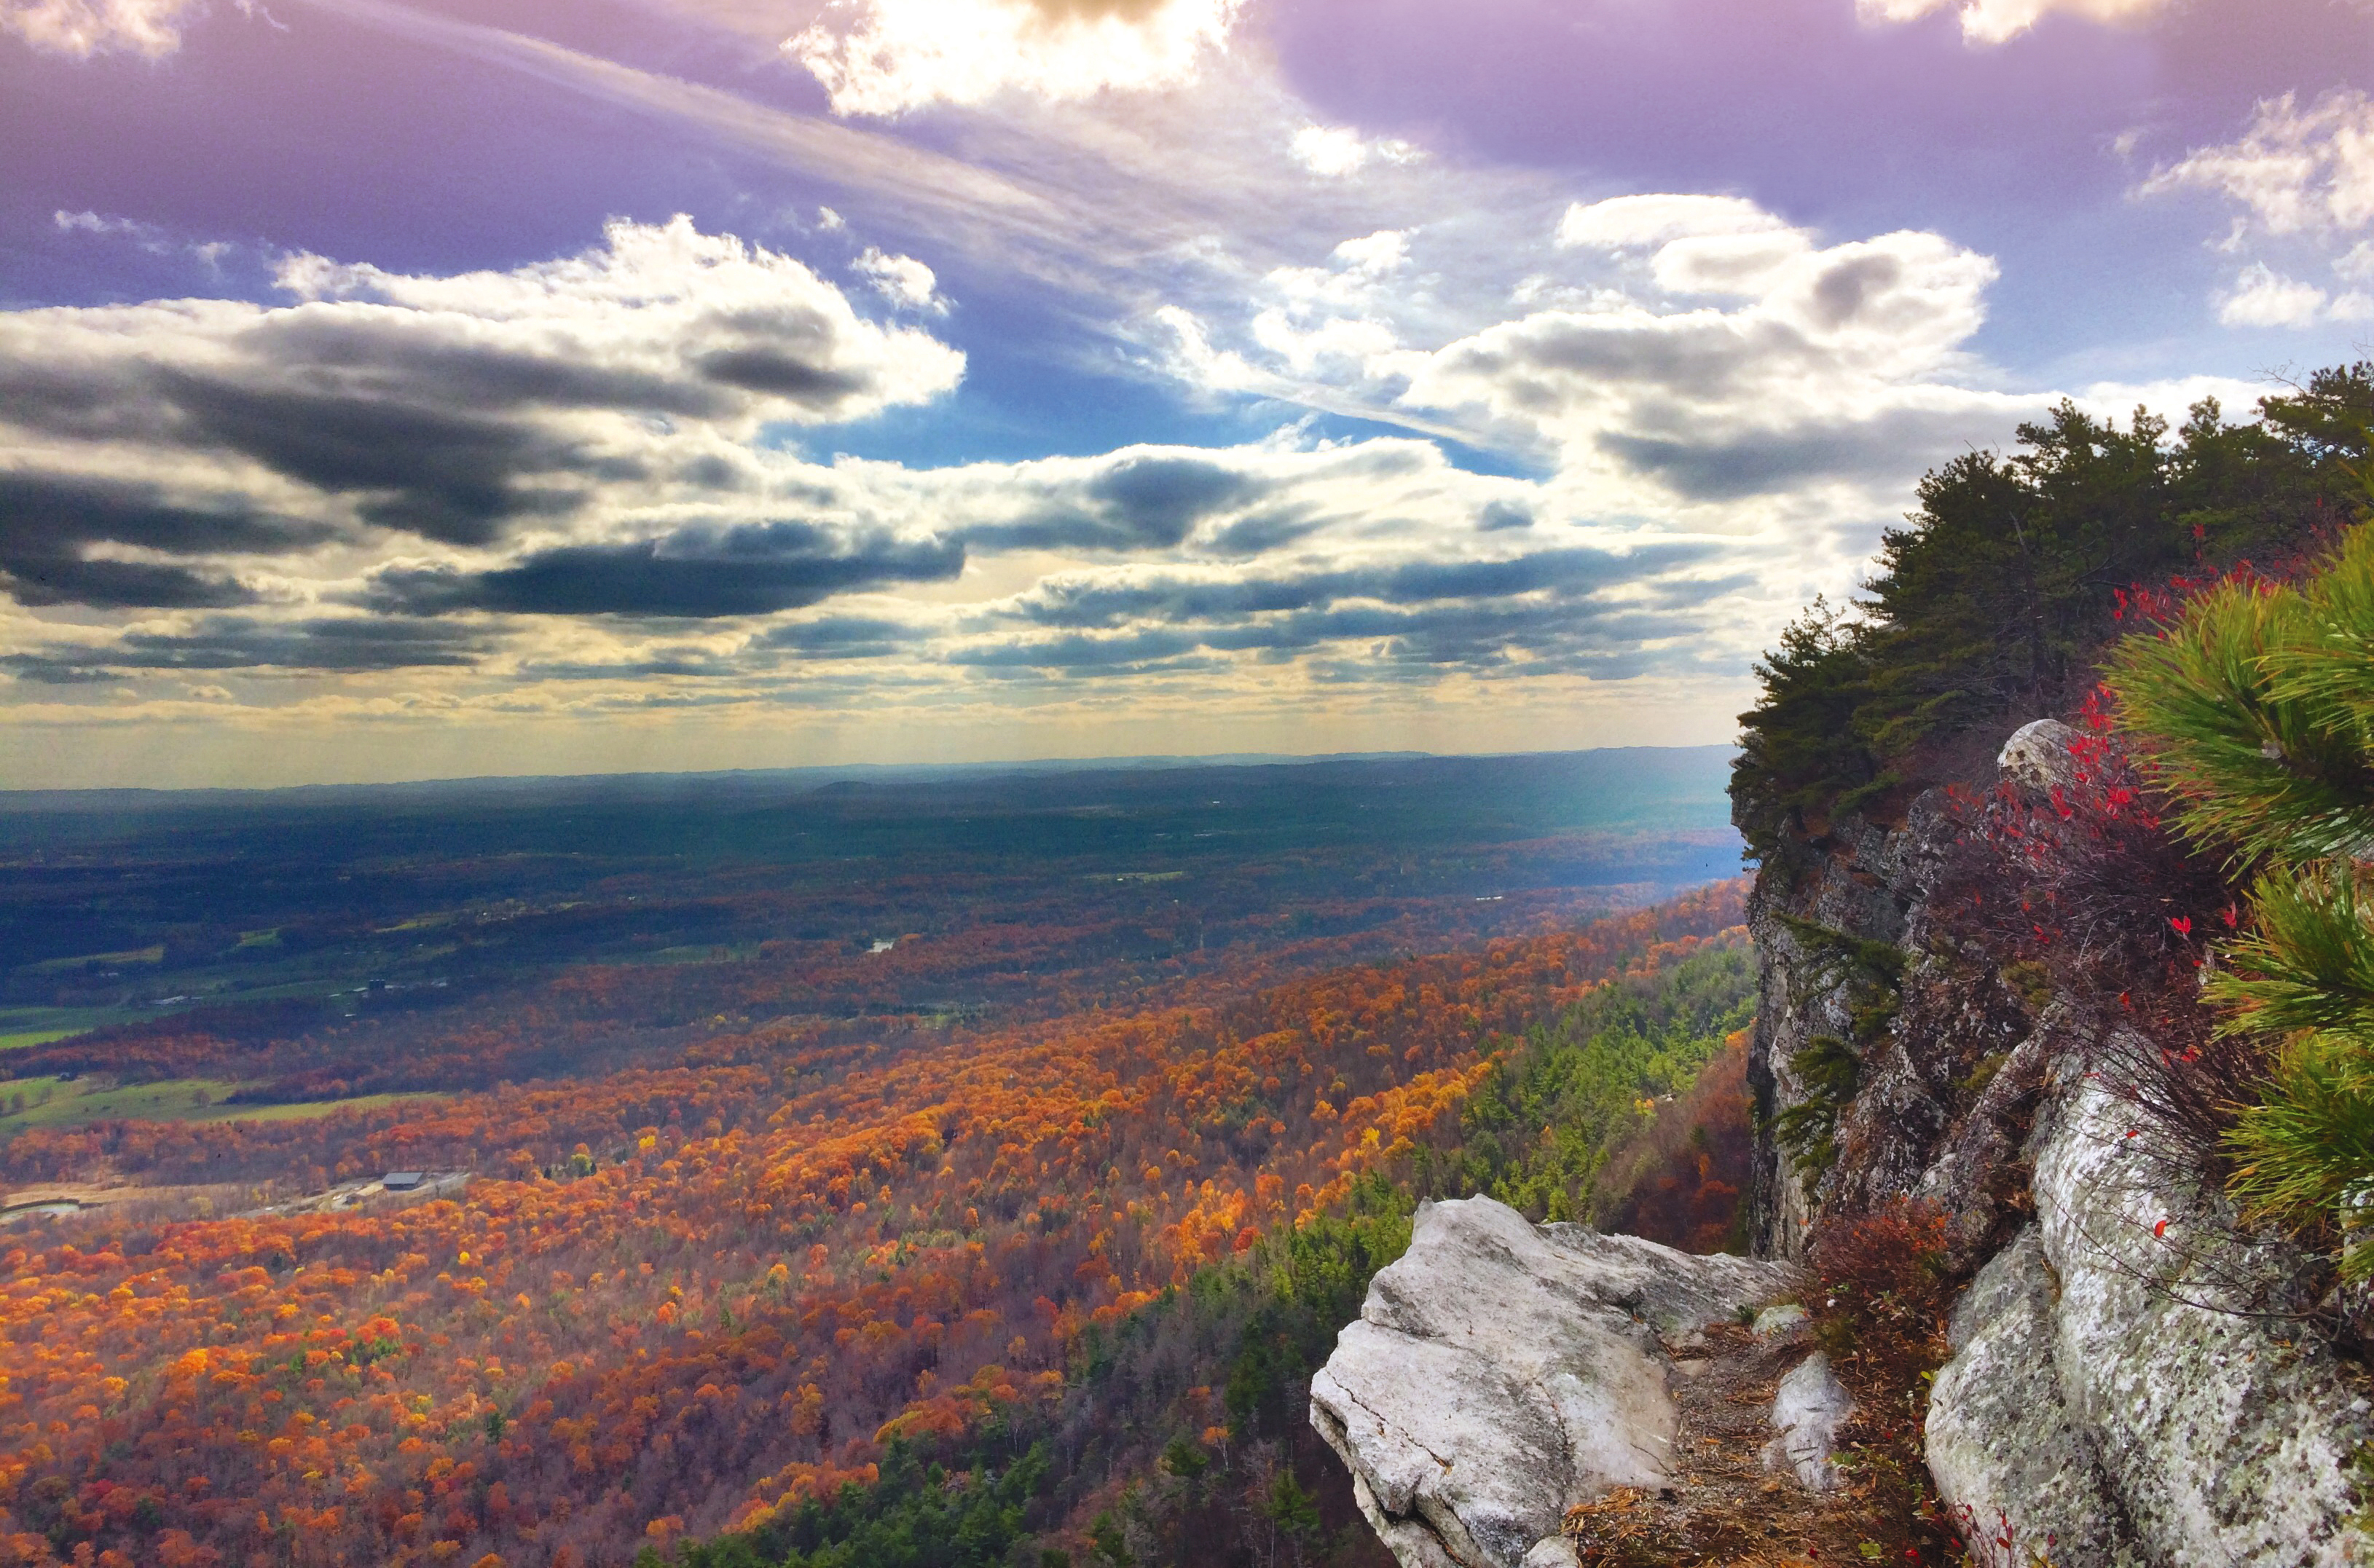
[[2255, 711]]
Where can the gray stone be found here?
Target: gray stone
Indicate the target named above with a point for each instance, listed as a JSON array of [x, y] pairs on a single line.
[[2038, 755], [2228, 1436], [1779, 1319], [2007, 1457], [1500, 1373], [1806, 1414]]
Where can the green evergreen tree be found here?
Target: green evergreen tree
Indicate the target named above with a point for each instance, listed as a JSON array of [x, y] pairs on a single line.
[[1997, 598]]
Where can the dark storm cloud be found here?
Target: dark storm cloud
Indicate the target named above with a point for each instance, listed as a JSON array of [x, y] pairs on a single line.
[[1139, 503], [1569, 571], [453, 478], [238, 642], [454, 408], [385, 354], [49, 523], [779, 374], [1437, 635], [1702, 468], [753, 569], [1265, 531], [839, 637], [104, 584]]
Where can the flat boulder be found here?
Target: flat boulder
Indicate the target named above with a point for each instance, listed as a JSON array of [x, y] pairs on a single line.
[[1501, 1372]]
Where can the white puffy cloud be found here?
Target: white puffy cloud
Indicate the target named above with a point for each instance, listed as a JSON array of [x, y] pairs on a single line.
[[890, 56], [902, 280], [1829, 370], [2263, 297], [1998, 21], [1815, 367], [80, 28], [2293, 171], [2301, 182]]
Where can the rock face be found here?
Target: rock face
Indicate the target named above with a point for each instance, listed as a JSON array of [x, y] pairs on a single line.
[[2003, 1447], [1500, 1373], [2133, 1389], [2038, 755], [2133, 1380], [2133, 1393]]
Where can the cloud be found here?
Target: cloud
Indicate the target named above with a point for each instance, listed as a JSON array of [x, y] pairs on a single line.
[[456, 409], [1137, 503], [242, 642], [57, 529], [1548, 607], [2262, 298], [1336, 152], [1998, 21], [1823, 371], [2293, 171], [80, 28], [902, 280], [839, 637], [2302, 183], [1623, 222], [906, 54], [696, 572]]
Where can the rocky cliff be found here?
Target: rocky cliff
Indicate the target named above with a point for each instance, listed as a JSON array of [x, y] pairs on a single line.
[[2137, 1376]]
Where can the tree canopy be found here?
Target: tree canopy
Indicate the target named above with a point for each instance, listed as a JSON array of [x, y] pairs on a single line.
[[1995, 600]]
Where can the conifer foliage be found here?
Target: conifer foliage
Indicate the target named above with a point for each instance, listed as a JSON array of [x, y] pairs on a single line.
[[1999, 595], [2255, 712]]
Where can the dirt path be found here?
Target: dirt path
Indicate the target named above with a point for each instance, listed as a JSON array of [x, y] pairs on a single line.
[[1726, 1506]]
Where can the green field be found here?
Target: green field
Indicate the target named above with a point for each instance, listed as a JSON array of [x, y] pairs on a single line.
[[52, 1102], [152, 955], [35, 1037], [39, 1025]]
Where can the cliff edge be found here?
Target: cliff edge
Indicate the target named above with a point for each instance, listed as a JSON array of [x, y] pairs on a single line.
[[2135, 1376]]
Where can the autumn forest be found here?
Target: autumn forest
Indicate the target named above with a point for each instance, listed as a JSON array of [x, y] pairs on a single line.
[[929, 1166]]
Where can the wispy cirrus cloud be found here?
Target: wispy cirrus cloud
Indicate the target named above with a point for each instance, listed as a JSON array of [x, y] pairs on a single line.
[[2300, 184]]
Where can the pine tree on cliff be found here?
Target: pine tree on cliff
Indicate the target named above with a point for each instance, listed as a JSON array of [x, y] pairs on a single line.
[[2256, 712], [1995, 600]]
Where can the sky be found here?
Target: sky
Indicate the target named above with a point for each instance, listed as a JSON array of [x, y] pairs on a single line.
[[401, 389]]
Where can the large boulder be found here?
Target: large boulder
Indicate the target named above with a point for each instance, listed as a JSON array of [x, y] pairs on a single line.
[[2010, 1464], [2131, 1377], [1501, 1372]]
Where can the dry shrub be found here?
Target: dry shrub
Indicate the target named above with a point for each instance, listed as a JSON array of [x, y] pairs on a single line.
[[1886, 1288]]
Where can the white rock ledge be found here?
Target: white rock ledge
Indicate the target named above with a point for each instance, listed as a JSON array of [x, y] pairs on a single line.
[[2111, 1388], [1500, 1373]]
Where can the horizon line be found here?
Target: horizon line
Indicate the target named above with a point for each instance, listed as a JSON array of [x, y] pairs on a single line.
[[17, 797]]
